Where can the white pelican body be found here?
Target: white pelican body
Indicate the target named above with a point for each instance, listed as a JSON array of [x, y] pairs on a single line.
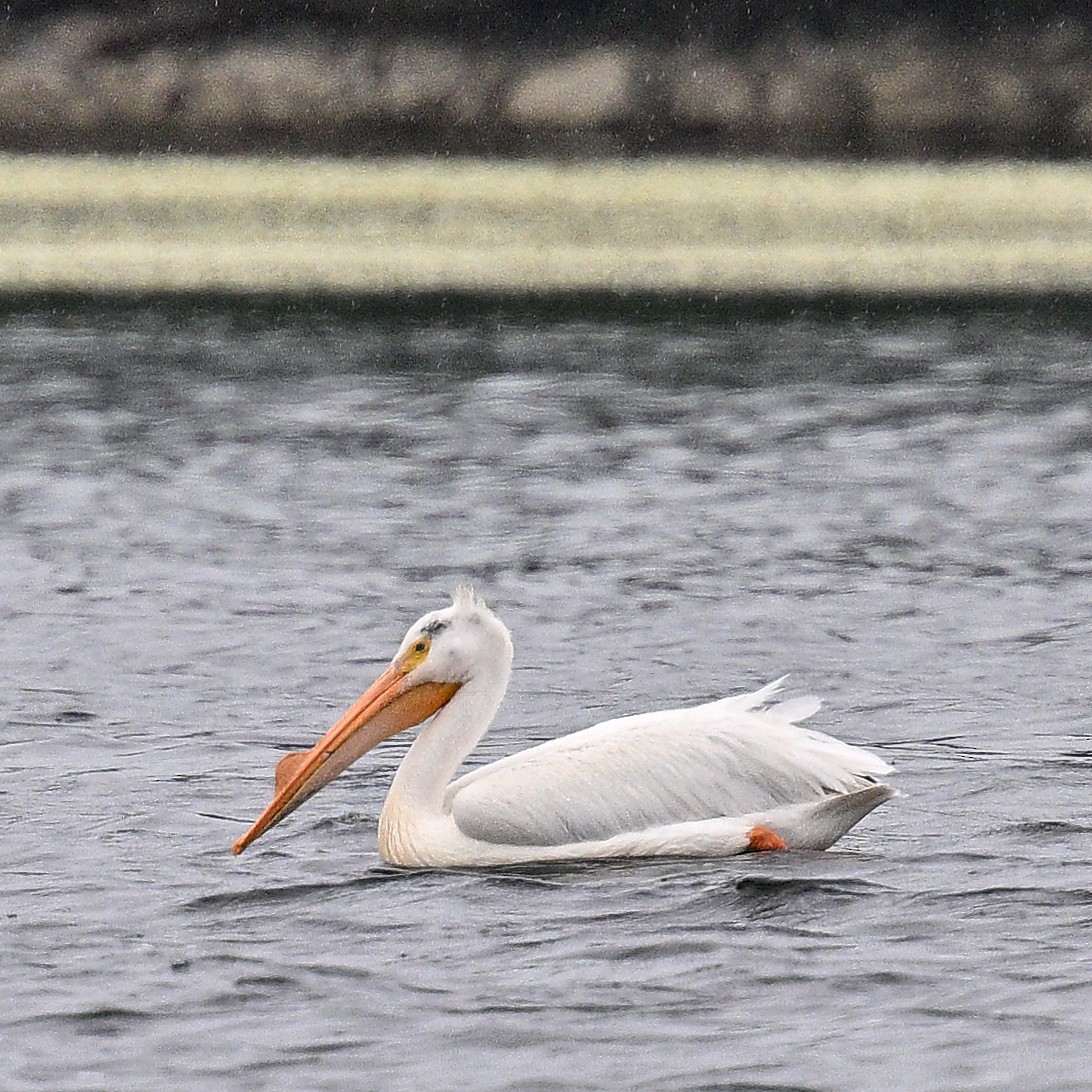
[[727, 777]]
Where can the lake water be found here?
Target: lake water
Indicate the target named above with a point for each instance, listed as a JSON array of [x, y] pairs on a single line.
[[214, 530]]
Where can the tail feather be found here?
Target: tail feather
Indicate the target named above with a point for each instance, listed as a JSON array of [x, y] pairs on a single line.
[[819, 824]]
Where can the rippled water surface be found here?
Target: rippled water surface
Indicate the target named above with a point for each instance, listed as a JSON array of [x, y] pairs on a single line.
[[214, 531]]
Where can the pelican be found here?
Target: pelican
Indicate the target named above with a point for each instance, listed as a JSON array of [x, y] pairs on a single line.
[[727, 777]]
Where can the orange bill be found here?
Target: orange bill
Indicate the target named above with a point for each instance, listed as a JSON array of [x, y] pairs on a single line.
[[388, 706]]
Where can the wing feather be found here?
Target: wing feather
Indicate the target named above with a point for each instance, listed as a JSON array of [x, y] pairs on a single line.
[[730, 757]]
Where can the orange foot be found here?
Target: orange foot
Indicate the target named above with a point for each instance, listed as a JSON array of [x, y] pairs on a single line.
[[762, 839]]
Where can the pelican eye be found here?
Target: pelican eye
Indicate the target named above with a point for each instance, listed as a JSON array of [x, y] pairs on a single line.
[[417, 653]]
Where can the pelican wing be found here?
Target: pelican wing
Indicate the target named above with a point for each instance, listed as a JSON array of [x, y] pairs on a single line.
[[737, 756]]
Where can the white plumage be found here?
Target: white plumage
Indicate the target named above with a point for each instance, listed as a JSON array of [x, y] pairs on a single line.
[[712, 780]]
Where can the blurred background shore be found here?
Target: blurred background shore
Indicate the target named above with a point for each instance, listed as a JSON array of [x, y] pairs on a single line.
[[714, 149], [856, 80]]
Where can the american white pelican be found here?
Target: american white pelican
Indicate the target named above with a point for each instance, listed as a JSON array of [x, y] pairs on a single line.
[[734, 775]]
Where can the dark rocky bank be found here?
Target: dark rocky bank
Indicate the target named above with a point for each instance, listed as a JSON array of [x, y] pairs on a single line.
[[852, 80]]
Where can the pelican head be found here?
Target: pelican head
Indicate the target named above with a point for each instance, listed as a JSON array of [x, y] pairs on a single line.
[[453, 644], [442, 652]]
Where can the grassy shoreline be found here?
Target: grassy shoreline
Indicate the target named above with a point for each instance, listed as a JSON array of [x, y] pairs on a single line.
[[338, 228]]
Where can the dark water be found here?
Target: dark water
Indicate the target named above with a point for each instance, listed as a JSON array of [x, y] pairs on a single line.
[[214, 532]]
